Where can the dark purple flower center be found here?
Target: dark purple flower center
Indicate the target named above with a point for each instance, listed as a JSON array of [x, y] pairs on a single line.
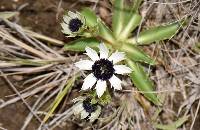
[[88, 107], [75, 24], [103, 69]]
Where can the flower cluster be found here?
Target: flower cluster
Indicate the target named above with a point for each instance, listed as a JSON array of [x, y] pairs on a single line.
[[73, 24], [86, 109], [103, 67]]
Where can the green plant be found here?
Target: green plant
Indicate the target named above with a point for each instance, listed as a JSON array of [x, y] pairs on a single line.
[[125, 20]]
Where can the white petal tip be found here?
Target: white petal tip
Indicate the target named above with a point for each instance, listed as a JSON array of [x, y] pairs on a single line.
[[100, 87], [122, 69], [84, 64], [89, 81], [91, 53], [115, 83], [103, 50], [84, 114]]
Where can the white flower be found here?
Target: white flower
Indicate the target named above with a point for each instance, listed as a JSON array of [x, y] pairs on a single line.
[[73, 24], [103, 69], [85, 109]]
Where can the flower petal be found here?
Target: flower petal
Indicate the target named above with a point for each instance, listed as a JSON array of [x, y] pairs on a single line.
[[65, 28], [78, 99], [84, 114], [117, 57], [103, 51], [80, 16], [115, 82], [92, 53], [78, 108], [89, 81], [122, 69], [66, 19], [100, 87], [95, 115], [84, 64], [72, 14]]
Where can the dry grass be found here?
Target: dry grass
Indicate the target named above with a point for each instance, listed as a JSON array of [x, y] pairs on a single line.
[[45, 68]]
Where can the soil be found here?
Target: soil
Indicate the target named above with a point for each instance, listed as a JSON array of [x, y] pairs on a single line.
[[42, 16]]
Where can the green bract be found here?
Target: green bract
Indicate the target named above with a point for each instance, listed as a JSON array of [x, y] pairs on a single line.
[[124, 21], [80, 44], [91, 17]]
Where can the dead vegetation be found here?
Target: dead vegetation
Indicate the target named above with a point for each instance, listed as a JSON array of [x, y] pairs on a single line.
[[42, 67]]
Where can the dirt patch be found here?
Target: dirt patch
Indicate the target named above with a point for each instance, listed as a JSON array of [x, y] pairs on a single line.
[[42, 16]]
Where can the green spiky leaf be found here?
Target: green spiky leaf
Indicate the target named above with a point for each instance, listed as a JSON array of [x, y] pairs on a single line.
[[105, 32], [129, 10], [142, 82], [136, 5], [80, 44], [156, 34], [135, 54], [118, 17], [133, 22], [90, 17]]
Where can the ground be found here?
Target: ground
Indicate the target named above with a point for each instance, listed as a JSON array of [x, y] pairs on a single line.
[[44, 16]]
